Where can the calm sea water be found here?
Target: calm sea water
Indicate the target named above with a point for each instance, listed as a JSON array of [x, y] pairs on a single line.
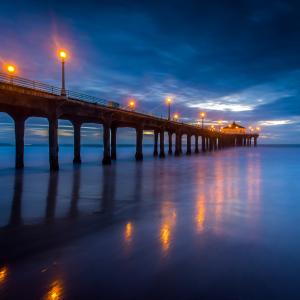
[[224, 225]]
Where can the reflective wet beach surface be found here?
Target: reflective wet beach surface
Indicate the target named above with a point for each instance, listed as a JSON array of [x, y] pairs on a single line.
[[224, 225]]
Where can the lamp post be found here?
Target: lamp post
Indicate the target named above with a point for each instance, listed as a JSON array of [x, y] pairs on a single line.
[[202, 115], [63, 55], [169, 101], [11, 70]]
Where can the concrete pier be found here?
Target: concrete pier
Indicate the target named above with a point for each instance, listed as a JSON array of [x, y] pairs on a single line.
[[196, 144], [162, 144], [19, 141], [139, 143], [106, 144], [24, 101], [155, 151], [113, 132], [170, 151], [203, 143], [188, 145], [53, 144], [77, 142]]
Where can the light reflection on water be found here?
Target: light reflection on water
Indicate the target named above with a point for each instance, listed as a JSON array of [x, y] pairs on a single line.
[[120, 220], [3, 275], [200, 213], [55, 291], [167, 226]]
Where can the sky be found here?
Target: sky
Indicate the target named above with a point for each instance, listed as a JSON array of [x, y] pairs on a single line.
[[235, 60]]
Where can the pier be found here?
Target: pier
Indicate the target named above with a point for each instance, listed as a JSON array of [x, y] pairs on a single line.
[[22, 98]]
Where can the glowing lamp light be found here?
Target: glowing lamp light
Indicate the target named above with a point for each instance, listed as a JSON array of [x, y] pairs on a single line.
[[11, 69], [202, 114], [168, 100], [3, 274], [131, 104], [128, 232], [258, 128], [176, 117], [62, 54], [220, 122]]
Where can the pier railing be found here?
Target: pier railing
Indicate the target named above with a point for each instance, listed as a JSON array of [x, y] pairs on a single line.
[[56, 91], [53, 90]]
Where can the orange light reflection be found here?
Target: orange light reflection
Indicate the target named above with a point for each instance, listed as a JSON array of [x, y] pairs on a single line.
[[128, 233], [3, 274], [166, 228], [55, 292], [200, 213]]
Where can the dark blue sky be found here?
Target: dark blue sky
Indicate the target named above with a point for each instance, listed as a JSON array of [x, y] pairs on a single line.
[[237, 60]]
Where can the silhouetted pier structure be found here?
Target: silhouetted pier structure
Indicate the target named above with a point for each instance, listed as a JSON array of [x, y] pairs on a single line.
[[22, 98]]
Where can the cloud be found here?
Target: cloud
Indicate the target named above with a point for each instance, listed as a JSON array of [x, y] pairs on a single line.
[[275, 122]]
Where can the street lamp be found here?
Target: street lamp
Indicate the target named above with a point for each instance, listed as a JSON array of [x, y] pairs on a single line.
[[257, 128], [63, 56], [169, 101], [220, 124], [11, 70], [175, 117], [131, 104], [202, 115]]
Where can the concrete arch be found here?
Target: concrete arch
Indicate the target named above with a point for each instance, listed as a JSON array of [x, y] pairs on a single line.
[[90, 140], [36, 140]]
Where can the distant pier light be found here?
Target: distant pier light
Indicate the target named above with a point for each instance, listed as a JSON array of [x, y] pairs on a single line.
[[11, 70], [63, 55], [176, 117], [220, 122], [258, 128], [202, 116], [168, 102], [132, 104]]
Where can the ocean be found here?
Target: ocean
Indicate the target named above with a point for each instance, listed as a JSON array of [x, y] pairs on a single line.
[[220, 225]]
